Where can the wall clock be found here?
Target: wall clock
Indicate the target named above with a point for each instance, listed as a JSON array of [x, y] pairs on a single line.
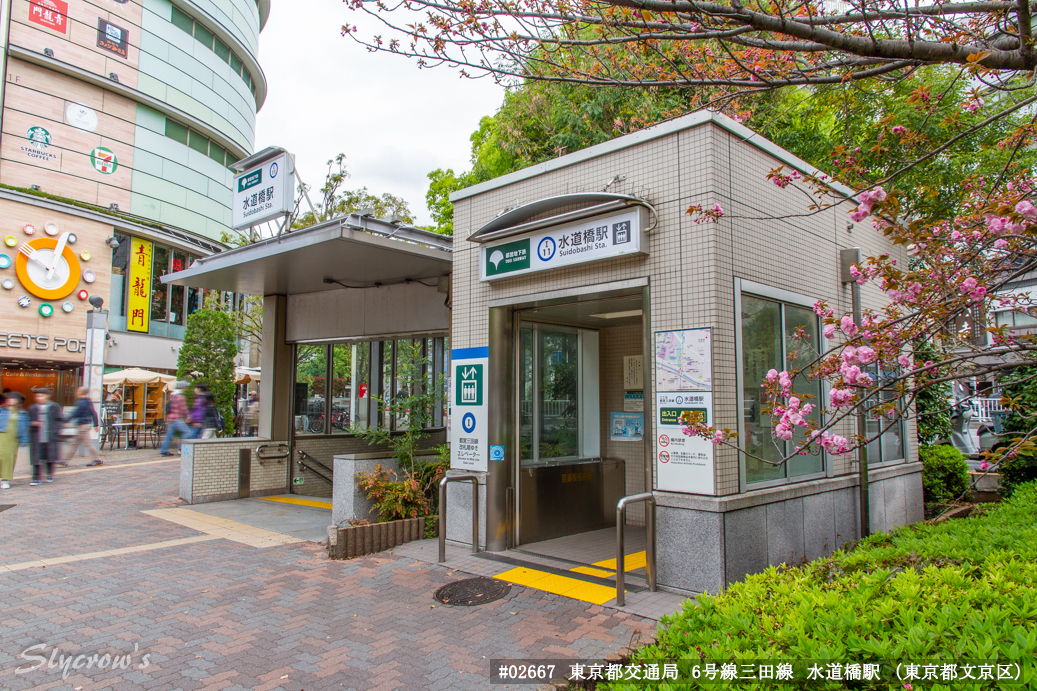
[[47, 267]]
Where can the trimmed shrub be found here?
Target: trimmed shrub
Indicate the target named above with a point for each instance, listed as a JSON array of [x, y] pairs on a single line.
[[961, 590], [945, 476], [1017, 470]]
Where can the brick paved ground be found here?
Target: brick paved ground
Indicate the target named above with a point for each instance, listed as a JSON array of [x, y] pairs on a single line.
[[223, 615]]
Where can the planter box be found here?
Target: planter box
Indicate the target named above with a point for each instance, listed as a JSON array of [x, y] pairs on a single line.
[[359, 540]]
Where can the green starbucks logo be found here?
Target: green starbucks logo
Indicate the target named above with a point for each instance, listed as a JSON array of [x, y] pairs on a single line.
[[103, 160], [38, 137]]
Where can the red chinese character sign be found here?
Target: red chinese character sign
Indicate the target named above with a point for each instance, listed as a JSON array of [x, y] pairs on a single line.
[[138, 308], [52, 14]]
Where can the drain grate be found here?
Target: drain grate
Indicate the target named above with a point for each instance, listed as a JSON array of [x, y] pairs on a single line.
[[472, 591]]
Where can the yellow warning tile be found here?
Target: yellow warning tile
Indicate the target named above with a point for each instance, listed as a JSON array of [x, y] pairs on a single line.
[[559, 585], [637, 560], [224, 528], [591, 571], [300, 502]]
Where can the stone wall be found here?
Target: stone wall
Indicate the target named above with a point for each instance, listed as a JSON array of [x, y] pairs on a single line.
[[209, 470]]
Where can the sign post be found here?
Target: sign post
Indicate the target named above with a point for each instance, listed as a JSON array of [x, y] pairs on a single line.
[[263, 192], [93, 361], [469, 422]]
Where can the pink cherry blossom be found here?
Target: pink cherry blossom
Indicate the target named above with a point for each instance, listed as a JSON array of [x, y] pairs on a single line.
[[848, 327], [904, 360], [865, 355], [829, 331]]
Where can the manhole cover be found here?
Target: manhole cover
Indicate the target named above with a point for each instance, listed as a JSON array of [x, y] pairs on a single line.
[[472, 591]]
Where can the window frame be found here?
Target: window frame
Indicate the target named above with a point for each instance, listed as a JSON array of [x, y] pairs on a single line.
[[379, 349], [782, 297]]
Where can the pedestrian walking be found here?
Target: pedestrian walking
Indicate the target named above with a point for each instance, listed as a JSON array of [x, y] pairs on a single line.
[[85, 417], [14, 432], [45, 425], [176, 419], [203, 417]]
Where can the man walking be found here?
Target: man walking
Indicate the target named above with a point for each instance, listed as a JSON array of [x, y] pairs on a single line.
[[45, 424], [176, 424], [85, 416]]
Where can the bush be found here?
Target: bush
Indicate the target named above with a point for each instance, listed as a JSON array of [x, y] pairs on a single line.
[[959, 590], [394, 498], [945, 476], [1017, 470]]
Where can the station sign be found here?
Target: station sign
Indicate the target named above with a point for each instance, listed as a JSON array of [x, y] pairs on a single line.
[[469, 421], [684, 382], [588, 240], [263, 192]]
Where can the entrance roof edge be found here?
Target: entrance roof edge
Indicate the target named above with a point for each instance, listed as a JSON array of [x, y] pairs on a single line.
[[516, 221], [353, 251]]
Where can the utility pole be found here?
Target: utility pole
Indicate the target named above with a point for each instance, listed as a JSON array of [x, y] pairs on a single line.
[[848, 258]]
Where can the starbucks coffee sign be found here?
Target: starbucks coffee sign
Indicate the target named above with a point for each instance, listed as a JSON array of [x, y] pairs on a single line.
[[593, 239]]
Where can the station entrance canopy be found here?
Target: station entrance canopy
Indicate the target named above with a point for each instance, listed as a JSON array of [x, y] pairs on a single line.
[[351, 251]]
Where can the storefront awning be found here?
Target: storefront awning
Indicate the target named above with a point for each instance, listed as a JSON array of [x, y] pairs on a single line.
[[352, 251]]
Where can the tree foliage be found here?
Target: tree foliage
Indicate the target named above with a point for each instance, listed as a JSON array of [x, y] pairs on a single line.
[[334, 200], [207, 355]]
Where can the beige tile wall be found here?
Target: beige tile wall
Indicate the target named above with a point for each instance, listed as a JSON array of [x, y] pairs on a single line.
[[768, 235]]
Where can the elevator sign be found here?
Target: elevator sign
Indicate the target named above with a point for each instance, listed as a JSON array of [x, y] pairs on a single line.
[[469, 434], [603, 237]]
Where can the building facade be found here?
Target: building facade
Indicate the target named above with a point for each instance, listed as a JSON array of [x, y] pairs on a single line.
[[120, 119]]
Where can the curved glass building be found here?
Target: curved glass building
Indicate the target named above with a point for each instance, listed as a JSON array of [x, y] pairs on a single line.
[[120, 119]]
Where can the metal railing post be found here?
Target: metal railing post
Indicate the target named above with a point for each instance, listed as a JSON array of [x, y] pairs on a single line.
[[442, 512], [621, 514]]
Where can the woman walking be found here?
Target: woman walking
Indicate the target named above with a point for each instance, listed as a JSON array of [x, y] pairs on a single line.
[[203, 417], [14, 432]]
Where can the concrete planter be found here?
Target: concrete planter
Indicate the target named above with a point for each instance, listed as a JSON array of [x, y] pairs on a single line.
[[359, 540]]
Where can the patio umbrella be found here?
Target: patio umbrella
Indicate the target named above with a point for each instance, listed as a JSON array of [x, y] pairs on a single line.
[[245, 375], [138, 376]]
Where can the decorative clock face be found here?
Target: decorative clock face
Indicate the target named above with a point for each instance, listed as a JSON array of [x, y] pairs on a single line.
[[47, 267]]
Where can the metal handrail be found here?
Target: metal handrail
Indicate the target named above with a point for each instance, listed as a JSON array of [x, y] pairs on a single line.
[[442, 512], [305, 466], [621, 516], [279, 457]]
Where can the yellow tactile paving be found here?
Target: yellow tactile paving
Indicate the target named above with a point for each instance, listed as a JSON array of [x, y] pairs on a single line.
[[559, 585], [68, 559], [591, 571], [225, 528], [300, 502], [637, 560]]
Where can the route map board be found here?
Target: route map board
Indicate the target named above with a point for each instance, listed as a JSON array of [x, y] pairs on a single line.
[[684, 360], [683, 364]]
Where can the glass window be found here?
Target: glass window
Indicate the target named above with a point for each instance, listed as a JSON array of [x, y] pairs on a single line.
[[782, 337], [217, 153], [1025, 319], [176, 293], [159, 292], [195, 298], [235, 63], [199, 143], [1004, 319], [176, 131], [761, 351], [361, 384], [222, 50], [181, 20], [341, 387], [311, 363], [120, 272], [526, 394], [203, 35], [558, 394]]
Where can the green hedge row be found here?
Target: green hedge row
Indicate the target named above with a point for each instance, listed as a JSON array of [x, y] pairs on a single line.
[[952, 591]]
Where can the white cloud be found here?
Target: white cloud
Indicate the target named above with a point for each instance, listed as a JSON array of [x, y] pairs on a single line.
[[394, 122]]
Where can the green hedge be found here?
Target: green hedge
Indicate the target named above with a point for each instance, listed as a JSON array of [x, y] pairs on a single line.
[[952, 591], [945, 476]]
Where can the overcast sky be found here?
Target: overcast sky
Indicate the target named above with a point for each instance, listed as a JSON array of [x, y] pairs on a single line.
[[394, 122]]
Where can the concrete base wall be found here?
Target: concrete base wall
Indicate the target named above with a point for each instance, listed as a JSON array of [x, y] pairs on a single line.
[[209, 470], [705, 543], [349, 502]]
